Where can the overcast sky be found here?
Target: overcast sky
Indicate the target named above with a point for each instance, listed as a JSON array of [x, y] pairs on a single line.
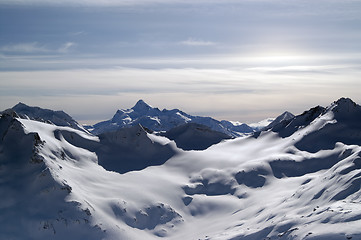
[[242, 60]]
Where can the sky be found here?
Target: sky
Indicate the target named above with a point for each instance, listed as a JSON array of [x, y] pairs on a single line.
[[239, 60]]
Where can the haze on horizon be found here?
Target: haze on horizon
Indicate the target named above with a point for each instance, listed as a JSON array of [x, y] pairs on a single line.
[[236, 60]]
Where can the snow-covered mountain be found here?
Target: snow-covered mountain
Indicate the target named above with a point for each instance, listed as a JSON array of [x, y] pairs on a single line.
[[34, 201], [298, 180], [283, 117], [164, 120], [58, 118]]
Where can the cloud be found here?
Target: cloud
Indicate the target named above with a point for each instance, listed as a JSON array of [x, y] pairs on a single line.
[[197, 42], [79, 33], [304, 69], [66, 47], [104, 2], [33, 47]]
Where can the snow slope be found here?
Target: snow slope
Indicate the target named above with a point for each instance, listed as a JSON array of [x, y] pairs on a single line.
[[298, 180], [164, 120]]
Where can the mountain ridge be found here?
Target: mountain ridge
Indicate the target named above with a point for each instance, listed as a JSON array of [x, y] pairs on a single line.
[[164, 120], [59, 118], [142, 113]]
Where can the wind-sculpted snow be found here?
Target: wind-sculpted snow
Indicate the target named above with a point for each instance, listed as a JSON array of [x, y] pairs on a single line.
[[210, 182], [128, 149], [151, 217], [298, 180]]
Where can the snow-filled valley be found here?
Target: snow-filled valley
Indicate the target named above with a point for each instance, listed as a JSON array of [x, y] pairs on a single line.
[[298, 178]]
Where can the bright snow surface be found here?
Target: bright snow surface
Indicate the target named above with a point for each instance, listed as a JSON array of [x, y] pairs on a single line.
[[260, 187]]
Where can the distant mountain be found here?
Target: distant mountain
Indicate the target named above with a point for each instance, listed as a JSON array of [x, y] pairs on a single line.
[[194, 136], [58, 118], [261, 124], [239, 128], [283, 117], [164, 120], [270, 122]]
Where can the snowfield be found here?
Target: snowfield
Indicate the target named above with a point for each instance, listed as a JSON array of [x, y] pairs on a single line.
[[300, 179]]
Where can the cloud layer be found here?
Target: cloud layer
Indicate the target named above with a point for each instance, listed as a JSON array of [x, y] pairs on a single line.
[[35, 48], [239, 60], [242, 95]]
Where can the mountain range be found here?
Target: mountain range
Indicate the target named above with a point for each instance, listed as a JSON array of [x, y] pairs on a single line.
[[164, 120], [298, 178]]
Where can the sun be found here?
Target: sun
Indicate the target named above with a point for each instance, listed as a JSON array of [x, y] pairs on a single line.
[[281, 57]]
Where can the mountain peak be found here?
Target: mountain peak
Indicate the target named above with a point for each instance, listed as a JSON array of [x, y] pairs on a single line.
[[20, 104], [286, 127], [283, 117], [23, 107], [141, 106], [345, 108], [344, 100], [344, 103]]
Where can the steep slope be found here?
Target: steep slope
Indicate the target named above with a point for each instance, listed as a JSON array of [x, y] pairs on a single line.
[[164, 120], [288, 127], [344, 127], [58, 118], [130, 149], [32, 202], [193, 136]]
